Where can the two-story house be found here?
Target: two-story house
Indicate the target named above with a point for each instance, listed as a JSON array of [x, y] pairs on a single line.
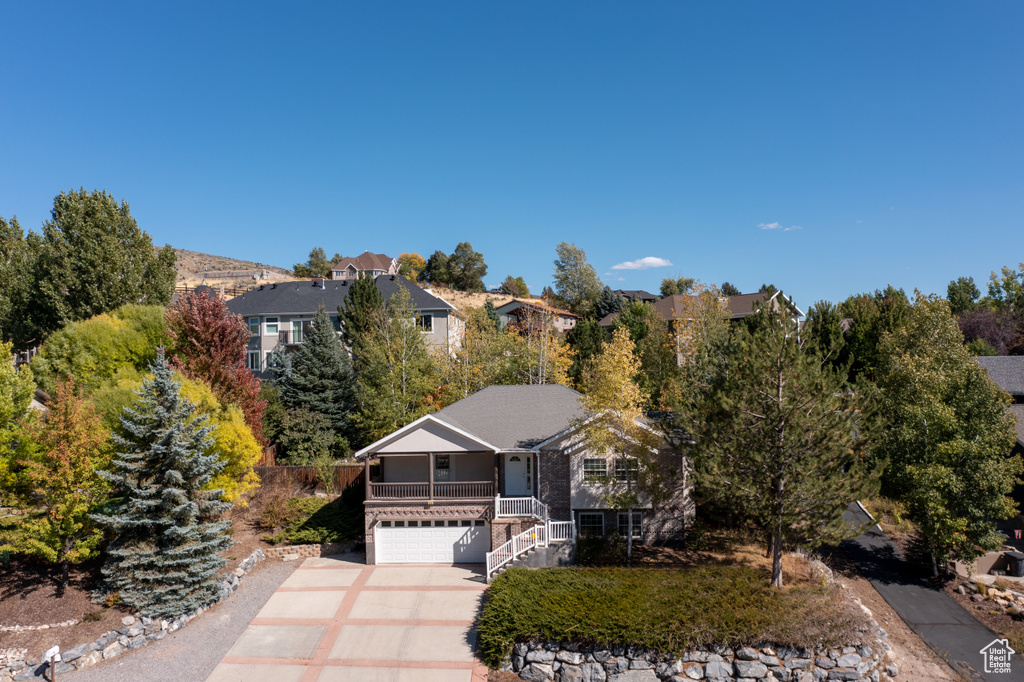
[[369, 264], [279, 314], [502, 467], [526, 313]]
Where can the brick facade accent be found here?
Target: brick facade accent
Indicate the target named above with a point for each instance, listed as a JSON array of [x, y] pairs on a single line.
[[555, 482]]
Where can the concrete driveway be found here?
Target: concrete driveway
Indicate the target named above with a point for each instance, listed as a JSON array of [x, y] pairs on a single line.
[[336, 619]]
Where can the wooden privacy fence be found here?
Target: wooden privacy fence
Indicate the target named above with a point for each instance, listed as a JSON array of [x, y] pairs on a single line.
[[344, 476]]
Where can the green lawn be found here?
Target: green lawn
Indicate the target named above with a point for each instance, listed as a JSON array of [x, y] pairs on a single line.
[[666, 610]]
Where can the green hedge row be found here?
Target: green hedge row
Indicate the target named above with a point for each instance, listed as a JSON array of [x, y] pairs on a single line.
[[665, 610]]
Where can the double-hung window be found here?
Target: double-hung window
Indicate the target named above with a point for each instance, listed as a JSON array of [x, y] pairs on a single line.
[[594, 469], [638, 524], [254, 325], [270, 326], [626, 469], [591, 523]]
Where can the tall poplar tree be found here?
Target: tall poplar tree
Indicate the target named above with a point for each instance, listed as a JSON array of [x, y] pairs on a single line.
[[775, 436], [163, 559]]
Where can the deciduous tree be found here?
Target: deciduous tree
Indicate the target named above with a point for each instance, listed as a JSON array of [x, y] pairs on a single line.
[[18, 282], [962, 295], [671, 286], [576, 281], [60, 456], [317, 265], [411, 266], [208, 343], [948, 435], [95, 258]]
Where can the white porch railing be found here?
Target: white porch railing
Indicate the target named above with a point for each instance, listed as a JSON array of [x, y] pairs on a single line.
[[541, 535], [520, 506]]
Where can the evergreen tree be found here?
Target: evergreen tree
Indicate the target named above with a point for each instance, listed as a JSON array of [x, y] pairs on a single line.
[[608, 302], [317, 265], [320, 378], [729, 290], [163, 559], [962, 295], [363, 305], [775, 435], [492, 315], [18, 281], [586, 340], [435, 271], [466, 268]]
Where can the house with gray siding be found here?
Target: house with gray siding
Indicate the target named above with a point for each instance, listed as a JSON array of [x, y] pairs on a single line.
[[279, 314], [500, 468]]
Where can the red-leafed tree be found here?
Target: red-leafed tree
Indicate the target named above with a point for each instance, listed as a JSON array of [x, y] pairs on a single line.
[[208, 343]]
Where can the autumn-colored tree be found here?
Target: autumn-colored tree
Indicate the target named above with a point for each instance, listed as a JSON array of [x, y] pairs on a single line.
[[613, 427], [208, 343], [411, 266], [482, 360], [61, 455], [546, 358]]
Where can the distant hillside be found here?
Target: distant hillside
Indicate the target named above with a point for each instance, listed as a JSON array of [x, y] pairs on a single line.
[[193, 263]]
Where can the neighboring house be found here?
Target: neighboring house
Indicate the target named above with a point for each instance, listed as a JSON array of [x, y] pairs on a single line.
[[279, 314], [371, 264], [458, 485], [523, 313], [673, 307], [1008, 373], [637, 295]]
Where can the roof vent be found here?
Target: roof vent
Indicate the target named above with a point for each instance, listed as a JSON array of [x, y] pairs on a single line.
[[261, 287], [392, 278], [274, 285]]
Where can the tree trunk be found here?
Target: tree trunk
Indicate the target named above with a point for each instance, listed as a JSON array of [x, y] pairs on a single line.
[[777, 557]]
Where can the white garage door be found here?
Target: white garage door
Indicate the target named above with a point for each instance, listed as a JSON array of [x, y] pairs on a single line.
[[464, 541]]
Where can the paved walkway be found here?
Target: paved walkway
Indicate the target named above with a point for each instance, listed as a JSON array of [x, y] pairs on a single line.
[[337, 620], [944, 625]]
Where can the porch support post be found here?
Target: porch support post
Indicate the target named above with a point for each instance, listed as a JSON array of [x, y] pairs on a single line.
[[430, 475], [366, 475], [497, 463]]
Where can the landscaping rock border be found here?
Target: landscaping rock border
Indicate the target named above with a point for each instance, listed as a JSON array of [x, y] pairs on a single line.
[[137, 631], [568, 662], [766, 662]]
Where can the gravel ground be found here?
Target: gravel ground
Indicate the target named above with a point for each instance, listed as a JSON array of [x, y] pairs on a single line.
[[191, 654]]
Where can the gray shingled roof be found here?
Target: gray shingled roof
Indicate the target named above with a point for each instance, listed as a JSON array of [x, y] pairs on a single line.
[[1007, 371], [306, 296], [1018, 412], [510, 417]]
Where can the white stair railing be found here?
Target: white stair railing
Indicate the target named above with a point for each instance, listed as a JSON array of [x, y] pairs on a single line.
[[541, 535]]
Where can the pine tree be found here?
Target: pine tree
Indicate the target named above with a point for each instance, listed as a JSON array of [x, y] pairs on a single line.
[[776, 437], [163, 559], [319, 376]]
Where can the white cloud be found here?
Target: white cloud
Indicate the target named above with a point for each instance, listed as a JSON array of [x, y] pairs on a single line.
[[778, 226], [643, 264]]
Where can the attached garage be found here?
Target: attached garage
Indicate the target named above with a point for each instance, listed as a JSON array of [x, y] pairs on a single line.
[[432, 541]]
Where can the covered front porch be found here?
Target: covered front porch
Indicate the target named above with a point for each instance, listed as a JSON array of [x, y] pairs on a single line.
[[434, 476]]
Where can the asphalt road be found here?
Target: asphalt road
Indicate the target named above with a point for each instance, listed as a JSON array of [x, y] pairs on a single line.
[[943, 624], [191, 654]]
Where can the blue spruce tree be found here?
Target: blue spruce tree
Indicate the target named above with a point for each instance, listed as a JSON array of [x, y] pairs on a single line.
[[167, 530]]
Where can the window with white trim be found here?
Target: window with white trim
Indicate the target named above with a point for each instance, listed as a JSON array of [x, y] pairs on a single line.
[[425, 322], [270, 326], [591, 523], [254, 325], [252, 360], [626, 468], [299, 328], [638, 524], [594, 469]]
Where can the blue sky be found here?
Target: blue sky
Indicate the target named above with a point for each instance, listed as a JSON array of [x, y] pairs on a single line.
[[883, 139]]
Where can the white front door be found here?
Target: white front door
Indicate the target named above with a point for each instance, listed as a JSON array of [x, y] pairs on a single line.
[[518, 476]]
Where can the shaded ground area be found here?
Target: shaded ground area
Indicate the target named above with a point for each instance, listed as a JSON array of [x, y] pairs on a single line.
[[192, 653], [937, 619]]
